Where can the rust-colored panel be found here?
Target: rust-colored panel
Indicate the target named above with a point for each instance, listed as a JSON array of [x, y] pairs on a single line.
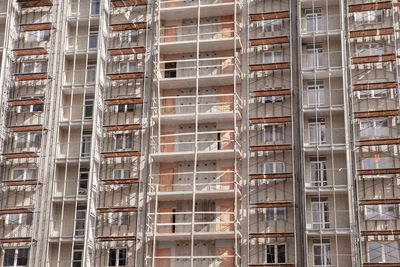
[[16, 240], [379, 171], [123, 101], [270, 40], [273, 204], [168, 105], [170, 34], [163, 252], [228, 259], [270, 235], [165, 218], [379, 142], [273, 92], [270, 15], [270, 66], [16, 210], [370, 6], [373, 86], [126, 127], [117, 209], [129, 26], [166, 141], [166, 180], [116, 238], [27, 128], [376, 264], [25, 101], [271, 147], [117, 154], [226, 29], [225, 227], [32, 76], [227, 178], [21, 182], [273, 265], [272, 176], [34, 3], [126, 51], [377, 233], [21, 155], [30, 51], [226, 101], [37, 26], [373, 32], [374, 114], [127, 75], [125, 3], [378, 201], [271, 120], [226, 139], [373, 59], [120, 181]]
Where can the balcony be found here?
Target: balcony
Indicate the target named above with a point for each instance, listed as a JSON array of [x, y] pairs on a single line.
[[181, 9], [216, 107], [319, 24], [209, 185], [320, 61], [322, 99], [211, 37], [210, 145], [329, 222], [183, 73]]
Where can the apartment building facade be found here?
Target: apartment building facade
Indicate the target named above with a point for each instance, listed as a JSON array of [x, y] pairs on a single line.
[[199, 133]]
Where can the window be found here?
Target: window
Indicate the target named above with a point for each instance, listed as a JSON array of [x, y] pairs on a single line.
[[313, 20], [273, 99], [314, 56], [77, 259], [272, 25], [123, 141], [318, 172], [117, 257], [19, 219], [320, 213], [24, 174], [119, 218], [34, 67], [30, 108], [16, 257], [91, 71], [374, 128], [273, 133], [126, 108], [37, 36], [276, 253], [128, 67], [93, 34], [95, 7], [83, 181], [370, 49], [317, 130], [80, 220], [27, 140], [274, 167], [121, 174], [129, 36], [322, 252], [370, 94], [377, 162], [383, 252], [86, 143], [170, 69], [380, 212], [89, 100], [316, 93], [276, 214], [368, 17], [273, 57]]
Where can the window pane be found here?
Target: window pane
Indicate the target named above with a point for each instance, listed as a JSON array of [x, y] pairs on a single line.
[[281, 253], [375, 252], [9, 255], [22, 259], [270, 254], [122, 257], [112, 257], [391, 251]]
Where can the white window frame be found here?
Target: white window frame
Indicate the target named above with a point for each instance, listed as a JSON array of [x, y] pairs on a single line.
[[321, 167], [321, 206], [318, 89], [369, 49], [28, 140], [384, 253], [276, 56], [273, 98], [19, 219], [276, 252], [325, 253], [80, 261], [34, 66], [319, 127], [372, 94], [128, 36], [80, 213], [25, 175], [129, 66], [117, 254], [119, 218], [122, 174], [376, 165], [272, 25], [379, 212], [276, 216], [372, 128], [315, 56], [125, 108], [125, 141], [29, 108], [276, 165], [315, 17], [277, 134], [15, 260], [368, 17], [37, 36], [86, 144]]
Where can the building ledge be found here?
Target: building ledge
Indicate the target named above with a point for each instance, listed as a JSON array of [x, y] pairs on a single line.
[[120, 181], [379, 201], [32, 76], [117, 209], [381, 232], [116, 154], [270, 40], [270, 15], [116, 238], [34, 51], [379, 142], [16, 210], [129, 26], [126, 75], [379, 171], [21, 182], [34, 3], [373, 86], [37, 26], [27, 128], [26, 101], [370, 6], [126, 3], [122, 127], [270, 120], [374, 59], [270, 66], [271, 147], [272, 92], [21, 155], [271, 235], [16, 240], [272, 204], [287, 175], [372, 32], [126, 51], [124, 101], [374, 114]]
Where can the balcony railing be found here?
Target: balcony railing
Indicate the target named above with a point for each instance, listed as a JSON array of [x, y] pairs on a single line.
[[323, 98], [184, 142], [321, 60], [328, 220], [319, 24], [211, 31], [206, 67], [324, 136]]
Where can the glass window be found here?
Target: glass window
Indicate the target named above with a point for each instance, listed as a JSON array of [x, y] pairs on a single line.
[[91, 71], [93, 36], [316, 93], [89, 101], [320, 213], [123, 141], [95, 7], [20, 219], [380, 212], [27, 140], [318, 171], [317, 131], [370, 49], [273, 133], [117, 257], [121, 174], [314, 56], [273, 99], [77, 259], [25, 174], [126, 108], [129, 36], [375, 163], [128, 67], [16, 257], [272, 25], [80, 220], [274, 167], [383, 252], [276, 253], [322, 252], [119, 218], [273, 57], [86, 144], [276, 214], [368, 17], [374, 128], [313, 20]]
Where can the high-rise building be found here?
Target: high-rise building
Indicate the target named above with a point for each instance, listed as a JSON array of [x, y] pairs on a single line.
[[200, 133]]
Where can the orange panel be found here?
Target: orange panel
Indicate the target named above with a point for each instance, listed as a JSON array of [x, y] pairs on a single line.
[[226, 262], [226, 140], [226, 29], [226, 100], [166, 180], [169, 103], [227, 177], [170, 34], [225, 227], [165, 218], [163, 252], [172, 3], [167, 139]]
